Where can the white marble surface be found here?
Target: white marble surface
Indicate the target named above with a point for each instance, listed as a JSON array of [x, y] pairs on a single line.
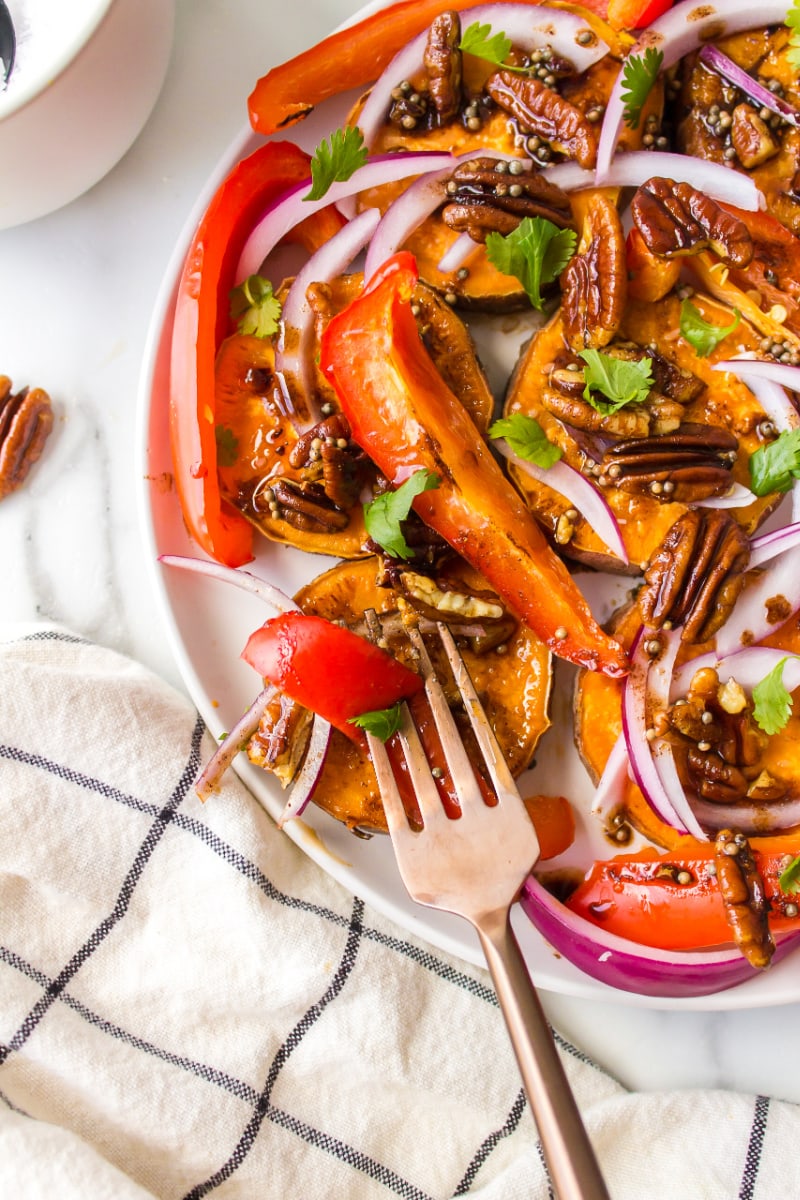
[[76, 292]]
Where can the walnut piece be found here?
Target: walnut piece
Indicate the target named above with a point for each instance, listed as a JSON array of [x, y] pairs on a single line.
[[594, 282], [696, 575], [744, 897], [542, 111], [676, 219], [25, 423]]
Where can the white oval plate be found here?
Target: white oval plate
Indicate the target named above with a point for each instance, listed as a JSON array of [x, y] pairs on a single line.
[[208, 624]]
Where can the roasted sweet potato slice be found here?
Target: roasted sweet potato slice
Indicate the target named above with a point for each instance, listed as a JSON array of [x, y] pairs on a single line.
[[309, 495], [514, 684]]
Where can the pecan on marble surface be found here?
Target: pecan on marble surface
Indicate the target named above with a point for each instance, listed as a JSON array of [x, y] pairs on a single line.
[[442, 61], [695, 577], [488, 195], [539, 109], [691, 464], [744, 897], [594, 282], [26, 419], [676, 219]]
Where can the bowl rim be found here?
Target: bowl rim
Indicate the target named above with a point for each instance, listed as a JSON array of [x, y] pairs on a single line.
[[69, 50]]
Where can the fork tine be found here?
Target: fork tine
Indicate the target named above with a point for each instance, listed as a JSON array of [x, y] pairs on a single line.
[[425, 789], [393, 805]]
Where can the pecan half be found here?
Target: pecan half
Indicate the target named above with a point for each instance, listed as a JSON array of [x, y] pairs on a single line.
[[281, 738], [25, 423], [695, 577], [540, 110], [302, 505], [594, 282], [442, 60], [691, 464], [676, 219], [742, 889], [329, 457], [487, 195]]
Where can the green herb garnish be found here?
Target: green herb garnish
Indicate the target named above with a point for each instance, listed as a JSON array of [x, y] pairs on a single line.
[[793, 22], [620, 380], [789, 878], [335, 160], [384, 514], [479, 40], [638, 76], [772, 704], [383, 722], [535, 253], [227, 446], [774, 467], [702, 336], [254, 308], [526, 438]]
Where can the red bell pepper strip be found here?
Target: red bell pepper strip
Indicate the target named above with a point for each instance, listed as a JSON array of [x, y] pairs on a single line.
[[350, 58], [636, 14], [669, 901], [405, 417], [329, 669], [201, 322]]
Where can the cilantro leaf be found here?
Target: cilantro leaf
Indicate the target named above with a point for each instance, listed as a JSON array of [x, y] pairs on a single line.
[[382, 516], [254, 308], [227, 446], [536, 253], [638, 76], [620, 380], [772, 704], [526, 438], [774, 467], [335, 160], [478, 39], [702, 336], [383, 722], [793, 21], [789, 878]]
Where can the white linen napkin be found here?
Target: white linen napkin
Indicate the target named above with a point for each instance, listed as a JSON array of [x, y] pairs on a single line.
[[189, 1006]]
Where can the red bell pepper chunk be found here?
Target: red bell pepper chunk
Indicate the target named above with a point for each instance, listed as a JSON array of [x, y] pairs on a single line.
[[405, 417], [201, 322], [669, 901], [329, 669], [636, 14], [348, 59]]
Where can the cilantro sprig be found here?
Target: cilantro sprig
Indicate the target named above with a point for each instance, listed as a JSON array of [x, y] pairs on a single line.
[[383, 722], [621, 381], [775, 466], [772, 703], [384, 514], [789, 878], [254, 307], [479, 40], [526, 438], [535, 253], [227, 446], [638, 76], [699, 333], [793, 22], [336, 159]]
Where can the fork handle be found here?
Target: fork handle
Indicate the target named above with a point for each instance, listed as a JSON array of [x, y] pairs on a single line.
[[570, 1159]]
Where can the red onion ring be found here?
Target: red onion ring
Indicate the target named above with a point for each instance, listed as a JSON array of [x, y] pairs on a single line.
[[630, 967], [712, 56], [753, 820], [579, 491], [767, 381], [635, 167], [235, 575], [528, 29], [457, 253], [767, 545], [294, 363], [289, 209], [680, 30], [305, 783], [208, 779], [607, 799], [749, 622], [737, 496], [748, 667]]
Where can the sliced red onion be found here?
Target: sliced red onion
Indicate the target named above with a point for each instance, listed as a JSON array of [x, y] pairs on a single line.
[[768, 545], [753, 820], [767, 381], [457, 253], [305, 783], [623, 964], [579, 491], [527, 28], [417, 202], [609, 793], [294, 359], [680, 30], [722, 183], [289, 209], [712, 56], [234, 742], [748, 667], [235, 575], [749, 622], [737, 496]]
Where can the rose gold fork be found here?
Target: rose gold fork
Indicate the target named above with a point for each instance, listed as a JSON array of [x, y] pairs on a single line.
[[475, 866]]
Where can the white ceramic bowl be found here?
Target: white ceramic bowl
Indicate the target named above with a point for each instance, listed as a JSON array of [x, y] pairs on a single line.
[[88, 73]]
